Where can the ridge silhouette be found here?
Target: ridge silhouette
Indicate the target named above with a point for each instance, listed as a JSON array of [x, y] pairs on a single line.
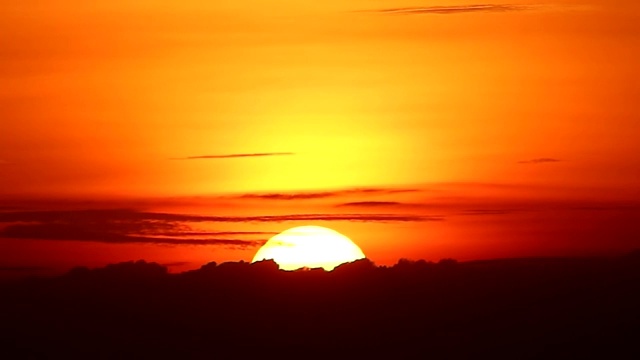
[[511, 308]]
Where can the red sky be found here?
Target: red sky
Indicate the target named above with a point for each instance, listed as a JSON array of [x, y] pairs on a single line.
[[475, 132]]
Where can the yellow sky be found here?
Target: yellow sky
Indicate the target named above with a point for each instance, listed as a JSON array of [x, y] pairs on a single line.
[[98, 98], [509, 129]]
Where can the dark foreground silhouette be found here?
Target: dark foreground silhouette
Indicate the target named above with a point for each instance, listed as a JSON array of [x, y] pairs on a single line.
[[521, 308]]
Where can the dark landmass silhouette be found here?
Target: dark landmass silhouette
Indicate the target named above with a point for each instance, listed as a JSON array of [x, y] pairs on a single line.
[[516, 308]]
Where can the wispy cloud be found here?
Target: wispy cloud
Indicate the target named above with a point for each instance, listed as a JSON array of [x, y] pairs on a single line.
[[345, 217], [475, 212], [448, 212], [539, 161], [124, 226], [214, 233], [120, 226], [453, 9], [323, 194], [234, 156], [368, 204], [152, 222], [80, 233]]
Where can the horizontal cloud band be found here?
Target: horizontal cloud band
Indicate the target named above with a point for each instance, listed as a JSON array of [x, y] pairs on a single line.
[[234, 156], [120, 226], [454, 9]]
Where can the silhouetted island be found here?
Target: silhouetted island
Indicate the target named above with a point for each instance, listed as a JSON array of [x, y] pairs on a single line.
[[569, 308]]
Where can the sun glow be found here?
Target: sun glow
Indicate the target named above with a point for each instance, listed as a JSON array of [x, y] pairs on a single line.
[[310, 247]]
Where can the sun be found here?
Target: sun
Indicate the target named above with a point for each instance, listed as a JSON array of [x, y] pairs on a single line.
[[309, 247]]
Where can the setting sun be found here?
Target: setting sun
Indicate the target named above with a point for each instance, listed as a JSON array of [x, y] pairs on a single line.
[[310, 247], [344, 179]]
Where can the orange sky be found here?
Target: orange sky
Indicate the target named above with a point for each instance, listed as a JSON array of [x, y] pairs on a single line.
[[518, 105]]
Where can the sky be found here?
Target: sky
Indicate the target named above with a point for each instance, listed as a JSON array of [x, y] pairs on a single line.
[[420, 129]]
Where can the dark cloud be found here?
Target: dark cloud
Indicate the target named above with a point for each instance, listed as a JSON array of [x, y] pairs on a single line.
[[488, 212], [345, 217], [454, 9], [393, 204], [124, 226], [152, 221], [317, 217], [89, 215], [324, 194], [234, 156], [139, 221], [81, 233], [539, 161], [370, 204], [120, 226], [214, 233]]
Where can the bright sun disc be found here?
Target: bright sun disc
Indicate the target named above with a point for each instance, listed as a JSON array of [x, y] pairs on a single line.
[[310, 247]]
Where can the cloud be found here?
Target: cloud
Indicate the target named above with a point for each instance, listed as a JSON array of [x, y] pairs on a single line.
[[454, 9], [393, 204], [124, 226], [318, 217], [370, 204], [488, 212], [82, 233], [235, 156], [214, 233], [120, 226], [539, 161], [132, 220], [323, 194], [152, 222], [344, 217]]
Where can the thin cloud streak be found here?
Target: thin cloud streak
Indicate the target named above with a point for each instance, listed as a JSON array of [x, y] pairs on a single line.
[[345, 217], [454, 9], [213, 233], [119, 226], [323, 194], [480, 212], [153, 221], [539, 161], [235, 156], [123, 226], [67, 232], [370, 204]]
